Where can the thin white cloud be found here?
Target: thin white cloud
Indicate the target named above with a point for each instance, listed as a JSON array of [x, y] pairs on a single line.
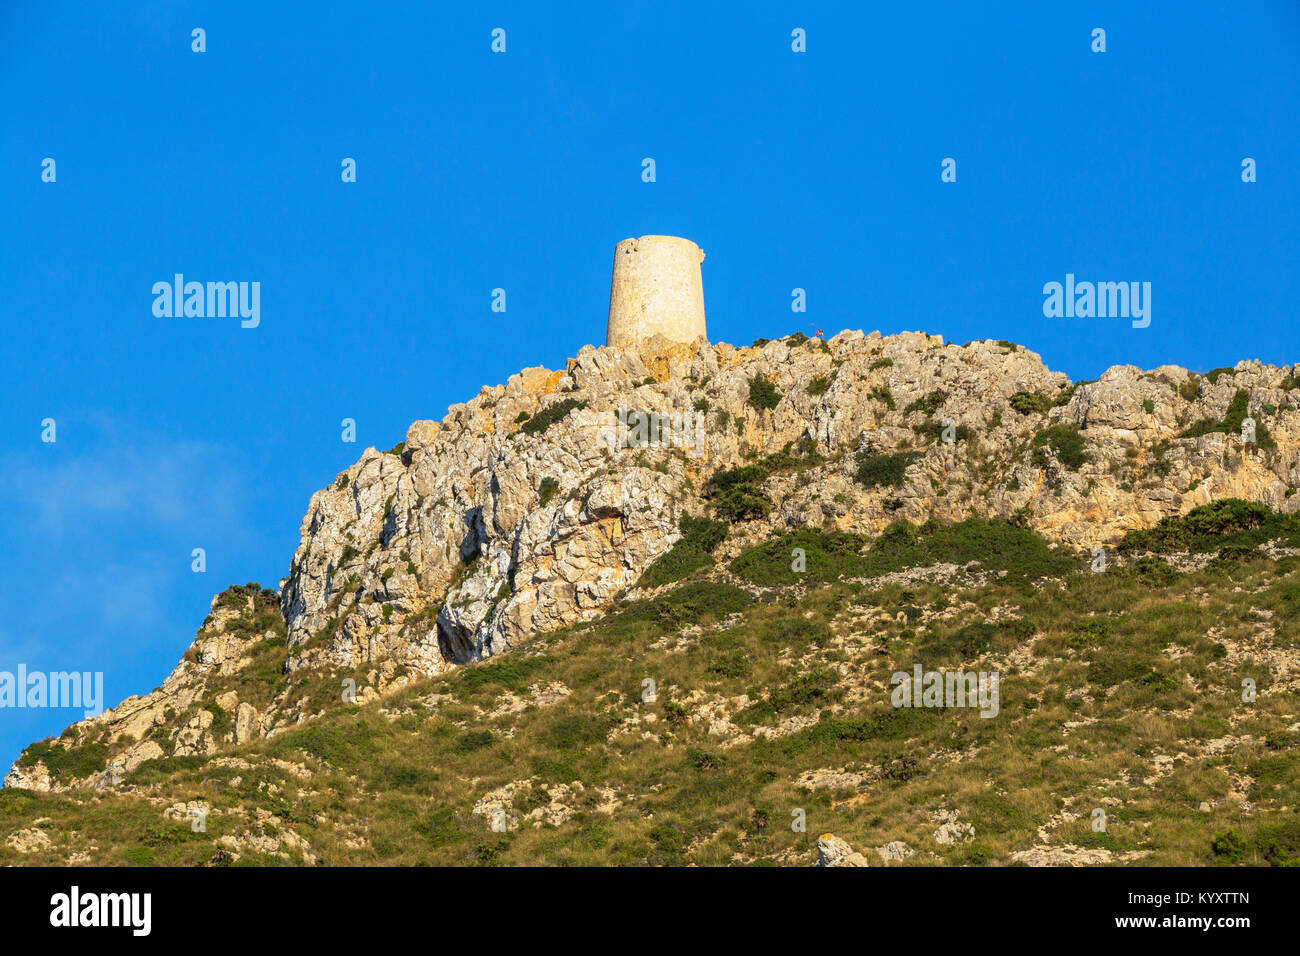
[[178, 485], [99, 529]]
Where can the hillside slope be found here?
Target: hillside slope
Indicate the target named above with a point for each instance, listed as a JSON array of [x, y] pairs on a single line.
[[848, 510], [1120, 693]]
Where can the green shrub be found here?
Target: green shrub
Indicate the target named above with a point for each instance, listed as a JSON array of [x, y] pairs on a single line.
[[967, 643], [1235, 554], [795, 631], [737, 493], [996, 544], [548, 490], [933, 431], [473, 740], [883, 395], [702, 759], [927, 404], [550, 415], [138, 856], [888, 470], [576, 733], [66, 763], [676, 712], [323, 741], [1064, 439], [704, 532], [805, 689], [1028, 402], [1229, 847], [1223, 523], [700, 536], [1150, 571], [1278, 843], [1237, 411], [741, 503], [762, 393], [974, 854], [438, 828], [731, 663], [1068, 395], [1111, 669], [237, 597], [221, 724]]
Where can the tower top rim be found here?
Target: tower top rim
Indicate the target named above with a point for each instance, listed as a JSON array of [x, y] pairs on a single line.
[[656, 236]]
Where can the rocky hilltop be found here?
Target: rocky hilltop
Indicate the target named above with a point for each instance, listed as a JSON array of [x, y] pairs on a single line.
[[542, 503]]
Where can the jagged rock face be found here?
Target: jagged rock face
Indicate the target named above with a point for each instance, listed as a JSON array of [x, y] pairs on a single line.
[[832, 851], [188, 714], [459, 536], [524, 510]]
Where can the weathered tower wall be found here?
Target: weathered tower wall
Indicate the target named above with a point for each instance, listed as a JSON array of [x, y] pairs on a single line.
[[656, 289]]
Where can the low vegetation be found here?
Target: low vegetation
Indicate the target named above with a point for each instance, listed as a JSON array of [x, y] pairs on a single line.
[[737, 493], [548, 416], [888, 470], [1227, 523], [1233, 417], [694, 550], [1028, 403], [762, 393], [1066, 441], [693, 723]]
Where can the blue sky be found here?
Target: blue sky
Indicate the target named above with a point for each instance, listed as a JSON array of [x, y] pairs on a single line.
[[475, 170]]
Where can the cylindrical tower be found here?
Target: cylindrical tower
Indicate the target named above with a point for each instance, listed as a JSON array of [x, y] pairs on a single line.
[[656, 289]]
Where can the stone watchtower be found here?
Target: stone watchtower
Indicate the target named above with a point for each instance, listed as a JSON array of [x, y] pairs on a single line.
[[656, 289]]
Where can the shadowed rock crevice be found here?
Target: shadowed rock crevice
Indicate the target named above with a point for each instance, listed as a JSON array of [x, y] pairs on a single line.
[[455, 642]]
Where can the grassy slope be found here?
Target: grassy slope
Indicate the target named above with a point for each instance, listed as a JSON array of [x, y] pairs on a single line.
[[1114, 687]]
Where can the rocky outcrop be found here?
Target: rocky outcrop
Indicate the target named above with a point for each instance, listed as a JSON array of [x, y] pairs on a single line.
[[895, 851], [482, 530], [537, 503], [832, 851], [187, 714]]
